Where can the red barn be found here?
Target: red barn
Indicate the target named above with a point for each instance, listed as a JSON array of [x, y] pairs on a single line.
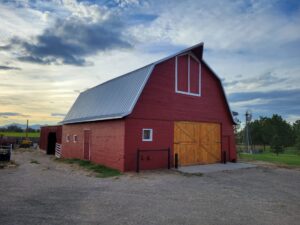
[[177, 103]]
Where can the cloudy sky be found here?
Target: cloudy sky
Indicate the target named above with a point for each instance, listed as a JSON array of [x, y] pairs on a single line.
[[50, 51]]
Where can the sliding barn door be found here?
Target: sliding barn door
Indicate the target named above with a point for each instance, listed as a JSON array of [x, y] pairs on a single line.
[[197, 143]]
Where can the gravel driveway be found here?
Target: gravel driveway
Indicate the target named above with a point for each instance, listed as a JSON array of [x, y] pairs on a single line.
[[55, 193]]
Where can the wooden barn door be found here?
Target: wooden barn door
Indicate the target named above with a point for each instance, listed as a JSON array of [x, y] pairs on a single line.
[[197, 143], [86, 144]]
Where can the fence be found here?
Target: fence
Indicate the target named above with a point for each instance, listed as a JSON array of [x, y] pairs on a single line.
[[139, 151], [57, 150]]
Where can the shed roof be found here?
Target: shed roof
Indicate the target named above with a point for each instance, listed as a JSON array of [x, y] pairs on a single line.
[[116, 98]]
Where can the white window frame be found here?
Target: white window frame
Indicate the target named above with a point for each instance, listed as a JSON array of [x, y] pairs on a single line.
[[189, 83], [74, 138], [151, 134], [67, 138]]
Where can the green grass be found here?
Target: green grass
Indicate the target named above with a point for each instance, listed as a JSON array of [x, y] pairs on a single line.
[[100, 170], [20, 134], [290, 157], [33, 161]]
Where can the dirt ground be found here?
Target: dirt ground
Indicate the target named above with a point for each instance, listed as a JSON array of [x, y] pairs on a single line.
[[42, 191]]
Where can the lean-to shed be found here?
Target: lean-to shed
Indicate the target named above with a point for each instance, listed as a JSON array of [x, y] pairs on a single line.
[[50, 136]]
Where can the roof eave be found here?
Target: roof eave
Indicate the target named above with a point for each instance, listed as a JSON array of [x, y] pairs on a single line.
[[92, 120], [140, 90]]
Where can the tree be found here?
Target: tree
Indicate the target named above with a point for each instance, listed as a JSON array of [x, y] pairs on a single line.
[[255, 128], [296, 126], [297, 142], [266, 131], [277, 145], [14, 128], [29, 130], [263, 130], [296, 130], [283, 129]]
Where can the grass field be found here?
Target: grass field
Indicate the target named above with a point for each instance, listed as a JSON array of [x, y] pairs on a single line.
[[290, 157], [100, 170], [20, 134]]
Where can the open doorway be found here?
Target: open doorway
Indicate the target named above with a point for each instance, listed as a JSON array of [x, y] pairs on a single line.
[[51, 143], [226, 146]]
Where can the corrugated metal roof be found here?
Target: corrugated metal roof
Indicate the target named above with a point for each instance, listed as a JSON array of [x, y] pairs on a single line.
[[116, 98], [110, 100]]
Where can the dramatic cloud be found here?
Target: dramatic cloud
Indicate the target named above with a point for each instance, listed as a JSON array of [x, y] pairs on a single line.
[[283, 102], [253, 45], [12, 114], [249, 83], [58, 114], [8, 68], [70, 41], [231, 26]]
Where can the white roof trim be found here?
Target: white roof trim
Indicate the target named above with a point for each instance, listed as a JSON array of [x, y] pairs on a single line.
[[140, 91], [93, 120]]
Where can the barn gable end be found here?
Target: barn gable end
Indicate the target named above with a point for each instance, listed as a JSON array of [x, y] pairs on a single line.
[[161, 105]]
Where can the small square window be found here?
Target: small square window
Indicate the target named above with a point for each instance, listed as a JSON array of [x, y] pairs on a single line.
[[68, 138], [147, 134], [75, 138]]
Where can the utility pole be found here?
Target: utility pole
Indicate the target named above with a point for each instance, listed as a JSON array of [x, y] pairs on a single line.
[[248, 143]]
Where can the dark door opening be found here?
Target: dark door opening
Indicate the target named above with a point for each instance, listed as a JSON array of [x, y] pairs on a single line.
[[51, 143], [226, 146]]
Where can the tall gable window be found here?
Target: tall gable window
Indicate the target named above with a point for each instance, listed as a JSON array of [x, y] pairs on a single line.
[[188, 75]]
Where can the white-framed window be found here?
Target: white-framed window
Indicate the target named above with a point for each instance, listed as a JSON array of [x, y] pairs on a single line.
[[188, 75], [68, 138], [75, 138], [147, 134]]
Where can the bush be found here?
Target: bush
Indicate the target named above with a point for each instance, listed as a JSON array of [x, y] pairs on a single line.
[[277, 145], [297, 144]]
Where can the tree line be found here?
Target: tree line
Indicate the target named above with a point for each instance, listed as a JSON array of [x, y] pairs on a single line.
[[15, 128], [272, 131]]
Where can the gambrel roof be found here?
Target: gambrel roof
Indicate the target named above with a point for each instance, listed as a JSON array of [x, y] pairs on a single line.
[[111, 100], [116, 98]]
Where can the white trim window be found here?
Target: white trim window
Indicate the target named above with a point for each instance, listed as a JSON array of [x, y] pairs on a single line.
[[147, 134], [188, 75], [75, 138], [67, 138]]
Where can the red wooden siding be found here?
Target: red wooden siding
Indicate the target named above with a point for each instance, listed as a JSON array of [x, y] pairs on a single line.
[[159, 103], [194, 76], [182, 82], [44, 135], [86, 144], [162, 139], [106, 142]]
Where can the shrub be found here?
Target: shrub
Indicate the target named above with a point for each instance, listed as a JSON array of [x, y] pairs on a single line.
[[277, 145]]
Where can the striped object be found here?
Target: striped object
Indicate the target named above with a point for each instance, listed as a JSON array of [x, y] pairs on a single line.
[[57, 150]]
